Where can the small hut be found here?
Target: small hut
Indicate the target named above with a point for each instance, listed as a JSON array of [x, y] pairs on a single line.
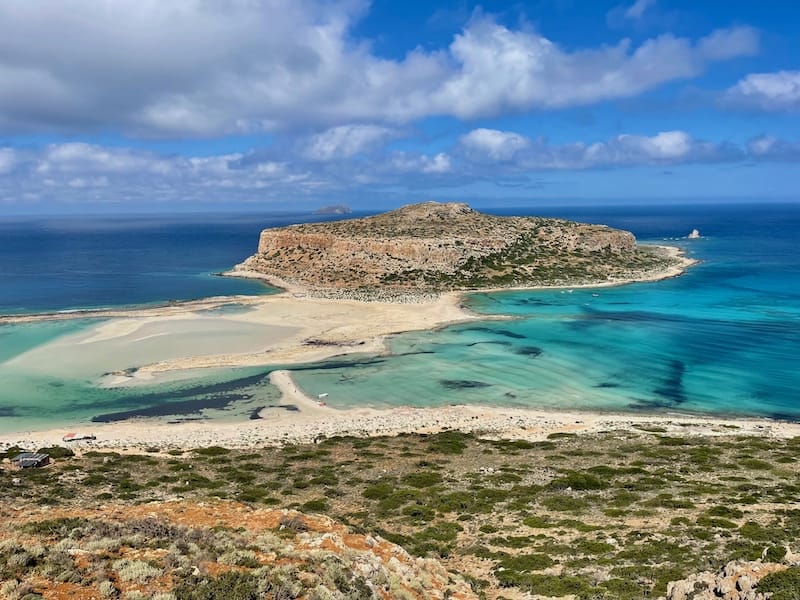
[[30, 460]]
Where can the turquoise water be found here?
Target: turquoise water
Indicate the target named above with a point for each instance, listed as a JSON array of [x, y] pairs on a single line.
[[722, 339]]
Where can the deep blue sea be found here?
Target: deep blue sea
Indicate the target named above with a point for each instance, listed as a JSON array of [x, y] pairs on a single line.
[[723, 338]]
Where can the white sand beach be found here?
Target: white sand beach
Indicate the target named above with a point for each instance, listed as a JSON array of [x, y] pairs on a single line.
[[313, 421], [279, 329]]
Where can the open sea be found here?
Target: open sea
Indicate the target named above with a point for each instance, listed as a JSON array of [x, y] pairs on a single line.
[[722, 339]]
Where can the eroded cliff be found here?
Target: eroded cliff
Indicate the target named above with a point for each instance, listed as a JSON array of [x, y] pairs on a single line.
[[437, 247]]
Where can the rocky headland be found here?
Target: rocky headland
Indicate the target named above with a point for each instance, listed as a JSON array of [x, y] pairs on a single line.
[[434, 247]]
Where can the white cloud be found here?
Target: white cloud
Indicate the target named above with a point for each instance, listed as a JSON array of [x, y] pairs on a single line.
[[494, 144], [8, 159], [778, 91], [636, 10], [77, 173], [76, 157], [346, 141], [502, 70], [669, 147], [208, 68], [767, 147], [404, 163]]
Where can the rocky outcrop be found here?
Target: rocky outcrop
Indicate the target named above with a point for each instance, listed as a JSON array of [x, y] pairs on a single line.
[[735, 581], [434, 247], [184, 549]]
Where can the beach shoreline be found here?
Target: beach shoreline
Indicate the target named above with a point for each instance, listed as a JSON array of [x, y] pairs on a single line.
[[300, 418]]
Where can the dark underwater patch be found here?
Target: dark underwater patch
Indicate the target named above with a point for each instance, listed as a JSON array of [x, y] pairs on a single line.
[[649, 404], [671, 388], [606, 384], [343, 364], [463, 384], [504, 332], [8, 411], [530, 351], [222, 388], [185, 407]]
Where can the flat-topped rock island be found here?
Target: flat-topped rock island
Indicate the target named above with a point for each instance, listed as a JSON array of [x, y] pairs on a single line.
[[437, 247]]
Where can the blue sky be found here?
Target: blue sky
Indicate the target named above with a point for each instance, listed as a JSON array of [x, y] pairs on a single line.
[[142, 105]]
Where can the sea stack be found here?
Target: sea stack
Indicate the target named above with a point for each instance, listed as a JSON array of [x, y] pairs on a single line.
[[695, 235]]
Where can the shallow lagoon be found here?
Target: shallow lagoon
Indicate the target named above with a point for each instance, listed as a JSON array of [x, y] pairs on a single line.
[[721, 339]]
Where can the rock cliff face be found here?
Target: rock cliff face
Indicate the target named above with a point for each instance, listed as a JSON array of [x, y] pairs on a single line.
[[434, 247]]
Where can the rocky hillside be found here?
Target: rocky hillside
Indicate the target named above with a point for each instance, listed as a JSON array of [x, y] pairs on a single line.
[[650, 513], [435, 247], [209, 551]]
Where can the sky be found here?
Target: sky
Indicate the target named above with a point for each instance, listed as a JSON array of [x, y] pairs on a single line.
[[146, 105]]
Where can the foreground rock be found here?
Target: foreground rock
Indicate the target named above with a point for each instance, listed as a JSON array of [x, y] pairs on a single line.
[[437, 247], [192, 550], [737, 580]]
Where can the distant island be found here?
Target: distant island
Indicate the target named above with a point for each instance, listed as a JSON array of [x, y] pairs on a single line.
[[335, 209], [437, 247]]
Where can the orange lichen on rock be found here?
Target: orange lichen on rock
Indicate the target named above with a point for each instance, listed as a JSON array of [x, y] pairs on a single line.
[[302, 545]]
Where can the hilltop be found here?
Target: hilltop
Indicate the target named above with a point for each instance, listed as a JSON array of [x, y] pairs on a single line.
[[435, 247]]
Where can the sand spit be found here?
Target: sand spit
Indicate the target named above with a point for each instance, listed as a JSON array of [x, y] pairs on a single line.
[[313, 420], [320, 328], [165, 310]]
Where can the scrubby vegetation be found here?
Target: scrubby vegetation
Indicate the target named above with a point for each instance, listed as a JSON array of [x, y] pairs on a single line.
[[606, 516]]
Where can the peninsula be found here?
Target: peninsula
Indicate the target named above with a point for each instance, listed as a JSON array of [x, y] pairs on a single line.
[[437, 247]]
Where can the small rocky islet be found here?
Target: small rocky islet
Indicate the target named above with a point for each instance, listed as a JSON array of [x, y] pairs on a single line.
[[436, 247]]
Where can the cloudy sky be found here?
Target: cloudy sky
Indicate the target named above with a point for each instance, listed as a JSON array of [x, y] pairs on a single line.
[[132, 105]]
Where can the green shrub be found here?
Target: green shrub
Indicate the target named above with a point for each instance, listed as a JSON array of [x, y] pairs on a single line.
[[233, 585], [578, 481], [316, 505], [379, 491], [775, 553], [211, 451], [56, 452], [422, 479], [449, 442], [54, 528], [724, 512], [523, 563], [784, 585]]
